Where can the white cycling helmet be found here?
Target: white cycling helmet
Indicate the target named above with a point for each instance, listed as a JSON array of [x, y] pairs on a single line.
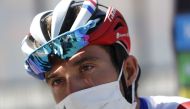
[[91, 25]]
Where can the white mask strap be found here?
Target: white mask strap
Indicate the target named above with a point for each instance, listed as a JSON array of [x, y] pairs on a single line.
[[134, 103], [133, 91], [121, 72]]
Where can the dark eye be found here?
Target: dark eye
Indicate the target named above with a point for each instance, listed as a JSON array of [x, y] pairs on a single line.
[[57, 82], [86, 68]]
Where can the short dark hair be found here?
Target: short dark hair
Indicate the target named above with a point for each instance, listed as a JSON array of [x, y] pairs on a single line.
[[117, 54], [70, 16]]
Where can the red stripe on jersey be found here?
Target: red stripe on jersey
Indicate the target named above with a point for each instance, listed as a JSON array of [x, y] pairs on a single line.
[[94, 3], [185, 105]]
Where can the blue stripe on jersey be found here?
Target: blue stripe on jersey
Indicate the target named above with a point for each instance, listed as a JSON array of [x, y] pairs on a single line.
[[143, 103], [89, 8]]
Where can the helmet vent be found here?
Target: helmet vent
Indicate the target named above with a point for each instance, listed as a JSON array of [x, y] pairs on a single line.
[[45, 25], [70, 16], [117, 26], [30, 38]]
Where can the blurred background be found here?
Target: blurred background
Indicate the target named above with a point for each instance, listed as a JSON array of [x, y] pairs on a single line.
[[160, 35]]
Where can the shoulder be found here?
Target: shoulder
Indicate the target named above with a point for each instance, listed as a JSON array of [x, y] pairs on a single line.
[[167, 102]]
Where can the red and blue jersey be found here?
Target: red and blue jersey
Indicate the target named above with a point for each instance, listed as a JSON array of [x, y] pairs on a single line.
[[164, 102]]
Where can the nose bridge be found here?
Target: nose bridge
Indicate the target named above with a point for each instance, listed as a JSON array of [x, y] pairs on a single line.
[[72, 79], [70, 76]]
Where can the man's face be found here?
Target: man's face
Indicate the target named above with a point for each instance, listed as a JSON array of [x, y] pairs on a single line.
[[89, 67]]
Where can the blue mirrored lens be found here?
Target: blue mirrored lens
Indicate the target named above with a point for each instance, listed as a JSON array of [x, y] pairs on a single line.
[[64, 46]]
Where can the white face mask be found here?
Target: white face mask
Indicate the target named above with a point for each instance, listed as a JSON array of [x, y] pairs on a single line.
[[105, 96]]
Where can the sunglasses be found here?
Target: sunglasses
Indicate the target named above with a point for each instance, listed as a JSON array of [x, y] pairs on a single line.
[[64, 46]]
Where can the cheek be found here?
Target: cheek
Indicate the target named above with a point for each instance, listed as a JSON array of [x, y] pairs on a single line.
[[58, 94], [104, 75], [73, 84]]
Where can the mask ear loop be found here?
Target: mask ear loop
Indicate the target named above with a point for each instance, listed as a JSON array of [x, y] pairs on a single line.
[[121, 72], [134, 103]]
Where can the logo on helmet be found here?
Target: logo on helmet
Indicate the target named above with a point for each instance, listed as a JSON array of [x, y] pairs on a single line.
[[111, 15], [118, 35]]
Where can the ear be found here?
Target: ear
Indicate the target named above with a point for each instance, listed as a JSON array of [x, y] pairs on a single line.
[[130, 69]]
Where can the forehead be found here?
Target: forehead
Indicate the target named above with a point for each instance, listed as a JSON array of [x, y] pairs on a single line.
[[91, 51]]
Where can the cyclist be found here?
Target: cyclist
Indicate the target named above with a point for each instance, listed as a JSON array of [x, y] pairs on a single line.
[[82, 50]]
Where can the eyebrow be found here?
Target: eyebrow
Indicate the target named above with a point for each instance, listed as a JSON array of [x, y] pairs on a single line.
[[82, 60], [49, 77], [78, 62]]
